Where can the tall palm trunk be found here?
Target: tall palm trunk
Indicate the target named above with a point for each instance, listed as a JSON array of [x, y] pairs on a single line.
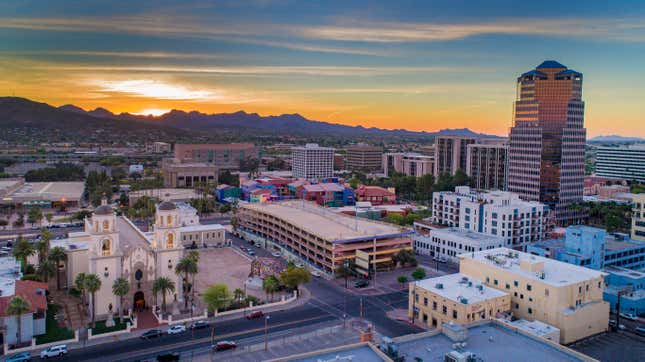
[[121, 309], [93, 309], [19, 339]]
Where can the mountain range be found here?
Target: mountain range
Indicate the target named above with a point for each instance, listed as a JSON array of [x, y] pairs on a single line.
[[31, 117], [615, 139]]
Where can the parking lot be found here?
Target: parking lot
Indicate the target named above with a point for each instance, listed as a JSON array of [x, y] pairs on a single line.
[[221, 265], [613, 346]]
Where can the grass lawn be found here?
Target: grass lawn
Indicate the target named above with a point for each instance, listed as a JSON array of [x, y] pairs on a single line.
[[118, 326], [54, 332]]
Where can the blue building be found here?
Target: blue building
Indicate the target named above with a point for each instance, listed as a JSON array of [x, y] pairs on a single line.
[[593, 248], [631, 283]]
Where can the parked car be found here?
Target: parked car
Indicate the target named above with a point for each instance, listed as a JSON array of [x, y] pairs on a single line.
[[277, 254], [153, 333], [630, 316], [299, 265], [224, 345], [251, 252], [361, 283], [440, 259], [640, 331], [176, 329], [316, 273], [168, 357], [199, 325], [20, 357], [54, 351], [254, 315], [613, 324]]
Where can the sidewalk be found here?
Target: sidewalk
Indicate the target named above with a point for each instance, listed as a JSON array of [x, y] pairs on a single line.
[[305, 295]]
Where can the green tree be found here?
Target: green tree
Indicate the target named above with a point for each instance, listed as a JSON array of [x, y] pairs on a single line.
[[460, 178], [79, 283], [92, 284], [46, 269], [293, 277], [217, 297], [270, 285], [35, 215], [18, 306], [238, 294], [186, 267], [419, 273], [57, 255], [424, 187], [22, 250], [120, 288], [405, 257], [163, 285], [49, 217], [402, 279], [43, 245]]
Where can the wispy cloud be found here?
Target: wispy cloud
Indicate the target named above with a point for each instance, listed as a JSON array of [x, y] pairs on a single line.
[[153, 89], [393, 32], [120, 54]]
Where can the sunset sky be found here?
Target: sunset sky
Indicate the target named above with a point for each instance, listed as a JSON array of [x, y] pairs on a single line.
[[419, 65]]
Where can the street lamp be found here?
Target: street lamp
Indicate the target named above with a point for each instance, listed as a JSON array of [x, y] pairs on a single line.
[[266, 332]]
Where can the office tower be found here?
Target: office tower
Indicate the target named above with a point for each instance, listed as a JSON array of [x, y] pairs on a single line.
[[224, 156], [547, 140], [487, 165], [312, 162], [627, 163], [638, 217], [363, 157], [450, 153]]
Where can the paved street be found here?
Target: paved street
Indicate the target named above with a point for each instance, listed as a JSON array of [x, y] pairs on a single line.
[[613, 346]]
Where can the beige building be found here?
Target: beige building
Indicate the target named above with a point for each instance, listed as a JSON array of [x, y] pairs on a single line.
[[563, 295], [363, 157], [319, 237], [223, 156], [450, 153], [176, 174], [638, 217], [455, 298], [411, 164]]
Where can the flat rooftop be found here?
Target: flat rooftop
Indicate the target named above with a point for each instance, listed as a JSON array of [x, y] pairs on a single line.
[[69, 244], [359, 353], [625, 272], [460, 288], [469, 234], [490, 342], [167, 194], [200, 227], [53, 191], [535, 327], [613, 244], [556, 273], [325, 223]]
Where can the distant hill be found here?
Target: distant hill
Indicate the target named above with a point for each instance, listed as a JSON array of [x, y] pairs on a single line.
[[616, 139], [29, 120]]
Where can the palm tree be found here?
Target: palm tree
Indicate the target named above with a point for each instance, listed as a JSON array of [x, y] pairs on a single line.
[[56, 255], [120, 288], [193, 254], [22, 250], [79, 282], [92, 284], [46, 269], [18, 306], [270, 284], [238, 294], [163, 285], [186, 266], [43, 245]]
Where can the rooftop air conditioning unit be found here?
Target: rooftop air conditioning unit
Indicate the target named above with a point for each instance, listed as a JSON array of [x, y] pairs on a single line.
[[439, 286]]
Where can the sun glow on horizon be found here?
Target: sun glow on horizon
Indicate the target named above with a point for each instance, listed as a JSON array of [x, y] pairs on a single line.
[[152, 112]]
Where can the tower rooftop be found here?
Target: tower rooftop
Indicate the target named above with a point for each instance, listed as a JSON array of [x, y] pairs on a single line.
[[550, 64]]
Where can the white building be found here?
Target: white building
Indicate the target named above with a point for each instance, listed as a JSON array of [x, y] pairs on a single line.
[[411, 164], [449, 242], [187, 214], [626, 163], [497, 213], [312, 162]]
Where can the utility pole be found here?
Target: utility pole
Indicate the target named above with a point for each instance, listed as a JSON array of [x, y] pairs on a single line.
[[266, 333], [374, 251]]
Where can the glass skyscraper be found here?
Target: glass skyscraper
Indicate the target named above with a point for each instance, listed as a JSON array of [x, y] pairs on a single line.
[[547, 140]]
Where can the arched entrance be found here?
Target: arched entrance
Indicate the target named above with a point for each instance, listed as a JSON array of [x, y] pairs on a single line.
[[139, 301]]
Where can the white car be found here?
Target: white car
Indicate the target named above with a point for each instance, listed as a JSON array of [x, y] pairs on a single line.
[[176, 329], [54, 351], [315, 273], [277, 254], [629, 316], [299, 265]]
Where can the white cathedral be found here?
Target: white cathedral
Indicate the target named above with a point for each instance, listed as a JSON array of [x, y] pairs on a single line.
[[113, 246]]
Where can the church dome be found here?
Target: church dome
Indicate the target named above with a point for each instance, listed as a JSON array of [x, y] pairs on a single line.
[[103, 210], [167, 206]]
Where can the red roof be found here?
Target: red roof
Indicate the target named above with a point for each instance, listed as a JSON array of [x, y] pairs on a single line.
[[371, 191], [30, 290]]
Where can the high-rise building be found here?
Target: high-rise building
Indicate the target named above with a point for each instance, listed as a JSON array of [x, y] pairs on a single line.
[[363, 157], [547, 141], [450, 153], [312, 162], [411, 164], [627, 163], [487, 165]]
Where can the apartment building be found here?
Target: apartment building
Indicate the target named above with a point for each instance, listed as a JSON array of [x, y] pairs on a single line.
[[177, 174], [363, 157], [319, 237], [455, 298], [451, 153], [223, 156], [638, 217], [410, 164], [448, 242], [566, 296], [627, 162], [497, 213], [486, 164], [312, 162]]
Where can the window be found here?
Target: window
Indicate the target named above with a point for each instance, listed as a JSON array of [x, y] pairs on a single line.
[[106, 225], [530, 310], [528, 287], [454, 314], [170, 241], [495, 281], [425, 302], [169, 220], [105, 247], [516, 283], [444, 310], [487, 280], [508, 286]]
